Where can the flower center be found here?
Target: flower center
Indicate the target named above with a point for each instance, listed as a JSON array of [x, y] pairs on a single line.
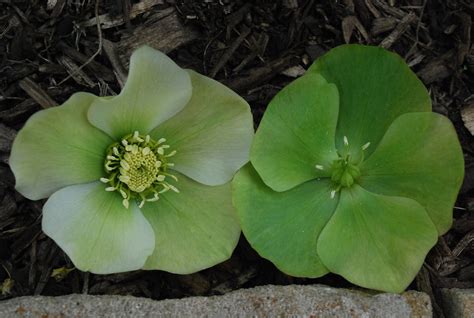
[[345, 170], [137, 168]]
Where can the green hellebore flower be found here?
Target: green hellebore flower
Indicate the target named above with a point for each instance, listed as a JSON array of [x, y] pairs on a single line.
[[140, 180], [352, 172]]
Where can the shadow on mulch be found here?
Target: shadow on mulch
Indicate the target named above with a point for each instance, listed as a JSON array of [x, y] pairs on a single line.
[[254, 47]]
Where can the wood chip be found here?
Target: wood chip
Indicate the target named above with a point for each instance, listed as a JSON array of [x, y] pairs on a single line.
[[164, 33], [195, 284], [98, 69], [382, 25], [390, 10], [436, 70], [349, 24], [230, 50], [75, 72], [107, 21], [119, 70], [7, 206], [372, 9], [294, 71], [6, 138], [37, 93], [398, 31], [467, 114], [262, 74]]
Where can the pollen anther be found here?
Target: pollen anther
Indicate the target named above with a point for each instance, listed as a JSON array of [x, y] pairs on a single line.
[[137, 168]]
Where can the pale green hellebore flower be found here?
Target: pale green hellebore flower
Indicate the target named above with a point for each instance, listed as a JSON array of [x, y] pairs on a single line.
[[139, 180]]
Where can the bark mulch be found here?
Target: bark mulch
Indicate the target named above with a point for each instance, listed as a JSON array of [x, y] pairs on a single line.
[[51, 49]]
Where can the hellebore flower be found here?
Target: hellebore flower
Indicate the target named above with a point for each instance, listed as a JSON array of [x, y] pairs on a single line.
[[139, 180], [351, 172]]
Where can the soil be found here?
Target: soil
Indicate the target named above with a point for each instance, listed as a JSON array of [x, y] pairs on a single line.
[[50, 49]]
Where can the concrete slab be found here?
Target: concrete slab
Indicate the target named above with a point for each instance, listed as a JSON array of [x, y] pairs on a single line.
[[458, 303], [264, 301]]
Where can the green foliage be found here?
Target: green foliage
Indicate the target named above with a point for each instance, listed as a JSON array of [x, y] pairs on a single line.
[[351, 172]]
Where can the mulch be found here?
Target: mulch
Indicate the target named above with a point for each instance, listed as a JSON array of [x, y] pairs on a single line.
[[51, 49]]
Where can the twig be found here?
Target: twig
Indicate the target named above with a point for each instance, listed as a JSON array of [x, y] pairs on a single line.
[[262, 74], [417, 31], [103, 71], [228, 53], [398, 31], [99, 49]]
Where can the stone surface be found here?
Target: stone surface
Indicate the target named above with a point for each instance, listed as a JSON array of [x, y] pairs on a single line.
[[458, 303], [265, 301]]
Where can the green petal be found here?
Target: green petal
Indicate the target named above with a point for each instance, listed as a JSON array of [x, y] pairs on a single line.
[[283, 227], [375, 87], [376, 241], [297, 133], [418, 158], [58, 147], [156, 89], [96, 231], [194, 229], [212, 134]]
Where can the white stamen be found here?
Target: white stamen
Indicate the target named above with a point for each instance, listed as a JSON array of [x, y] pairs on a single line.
[[346, 142], [112, 158], [165, 188], [171, 154], [173, 188], [170, 164], [333, 194], [146, 151], [108, 167], [154, 199], [141, 204], [124, 142], [110, 189], [173, 177], [104, 180], [115, 151], [319, 167], [160, 178], [165, 146], [125, 165], [160, 151], [158, 164], [125, 203], [137, 137], [161, 140], [147, 138], [124, 195], [366, 146]]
